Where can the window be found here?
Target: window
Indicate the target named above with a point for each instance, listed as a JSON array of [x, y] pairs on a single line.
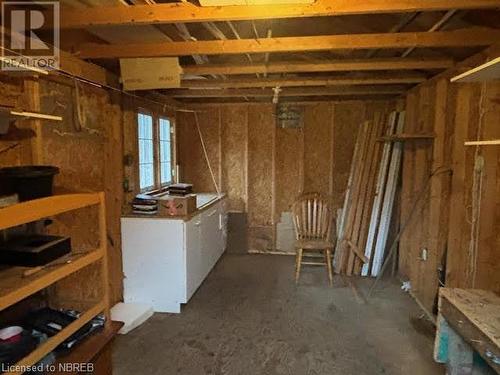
[[146, 152], [155, 152], [165, 152]]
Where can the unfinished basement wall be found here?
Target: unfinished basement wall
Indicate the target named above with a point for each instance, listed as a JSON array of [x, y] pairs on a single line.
[[263, 168], [460, 209]]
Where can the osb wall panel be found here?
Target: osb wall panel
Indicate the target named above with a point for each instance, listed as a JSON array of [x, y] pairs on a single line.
[[192, 161], [234, 127], [289, 168], [261, 128], [443, 221], [87, 147], [264, 167], [318, 143], [477, 111], [13, 151]]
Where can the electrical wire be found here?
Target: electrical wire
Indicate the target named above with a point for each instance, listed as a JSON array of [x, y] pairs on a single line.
[[205, 152], [72, 76]]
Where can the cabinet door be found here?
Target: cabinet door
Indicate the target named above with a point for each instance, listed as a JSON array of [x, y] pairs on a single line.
[[210, 238], [194, 268]]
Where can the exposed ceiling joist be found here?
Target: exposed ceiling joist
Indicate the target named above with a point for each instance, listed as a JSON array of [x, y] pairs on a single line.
[[319, 66], [74, 66], [187, 12], [459, 38], [295, 91], [299, 81], [437, 26]]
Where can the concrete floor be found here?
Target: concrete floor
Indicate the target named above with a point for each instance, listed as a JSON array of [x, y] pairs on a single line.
[[249, 318]]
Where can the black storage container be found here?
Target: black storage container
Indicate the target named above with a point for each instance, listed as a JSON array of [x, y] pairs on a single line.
[[29, 182], [33, 250]]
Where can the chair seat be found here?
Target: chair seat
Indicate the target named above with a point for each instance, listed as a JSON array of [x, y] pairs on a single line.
[[313, 244]]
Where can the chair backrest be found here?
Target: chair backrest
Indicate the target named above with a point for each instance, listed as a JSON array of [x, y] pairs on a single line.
[[312, 217]]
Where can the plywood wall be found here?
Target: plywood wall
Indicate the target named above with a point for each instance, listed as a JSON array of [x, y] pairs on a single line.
[[455, 209], [262, 167], [99, 127]]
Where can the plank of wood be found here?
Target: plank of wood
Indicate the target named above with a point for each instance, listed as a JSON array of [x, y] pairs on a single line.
[[390, 192], [376, 155], [16, 286], [27, 212], [364, 187], [379, 194], [340, 249], [302, 81], [492, 142], [187, 12], [319, 66], [352, 213], [457, 38], [74, 66], [473, 314], [350, 197], [295, 91], [486, 72]]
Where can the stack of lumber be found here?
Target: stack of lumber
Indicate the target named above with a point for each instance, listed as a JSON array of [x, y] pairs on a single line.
[[366, 216]]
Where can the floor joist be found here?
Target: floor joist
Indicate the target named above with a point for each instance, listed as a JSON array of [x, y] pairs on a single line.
[[458, 38], [319, 66], [186, 12]]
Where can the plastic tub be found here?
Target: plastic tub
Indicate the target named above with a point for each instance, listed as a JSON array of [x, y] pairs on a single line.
[[29, 182]]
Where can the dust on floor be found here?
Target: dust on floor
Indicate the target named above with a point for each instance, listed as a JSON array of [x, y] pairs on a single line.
[[248, 317]]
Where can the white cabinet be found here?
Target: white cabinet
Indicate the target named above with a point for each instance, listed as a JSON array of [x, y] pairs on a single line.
[[165, 260]]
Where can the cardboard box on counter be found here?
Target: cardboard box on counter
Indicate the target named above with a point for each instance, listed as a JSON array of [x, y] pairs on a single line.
[[177, 205]]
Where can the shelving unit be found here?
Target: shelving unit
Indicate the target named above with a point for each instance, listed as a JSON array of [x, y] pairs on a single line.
[[16, 286], [483, 73]]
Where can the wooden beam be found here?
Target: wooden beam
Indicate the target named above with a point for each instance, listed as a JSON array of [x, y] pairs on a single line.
[[295, 91], [458, 38], [187, 12], [493, 142], [76, 67], [299, 81], [319, 66]]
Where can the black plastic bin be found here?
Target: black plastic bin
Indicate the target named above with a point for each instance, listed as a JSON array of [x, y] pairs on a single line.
[[29, 182]]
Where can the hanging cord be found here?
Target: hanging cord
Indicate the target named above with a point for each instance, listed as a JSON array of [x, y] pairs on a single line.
[[476, 196], [413, 210], [100, 85], [205, 153]]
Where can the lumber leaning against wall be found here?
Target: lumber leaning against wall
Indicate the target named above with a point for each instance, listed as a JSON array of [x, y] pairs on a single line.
[[262, 167], [454, 112]]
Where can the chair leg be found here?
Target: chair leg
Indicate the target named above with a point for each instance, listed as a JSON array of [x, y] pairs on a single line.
[[298, 264], [329, 265]]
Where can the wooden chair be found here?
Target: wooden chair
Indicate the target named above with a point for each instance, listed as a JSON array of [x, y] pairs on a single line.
[[313, 217]]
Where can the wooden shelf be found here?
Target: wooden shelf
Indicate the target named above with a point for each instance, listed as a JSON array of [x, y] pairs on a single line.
[[14, 286], [48, 346], [406, 137], [489, 71], [27, 212], [493, 142], [91, 346]]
